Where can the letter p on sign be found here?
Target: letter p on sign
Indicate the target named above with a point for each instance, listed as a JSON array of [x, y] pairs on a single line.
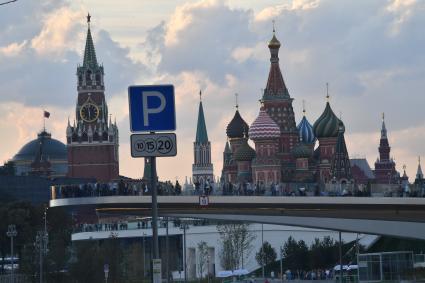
[[152, 108]]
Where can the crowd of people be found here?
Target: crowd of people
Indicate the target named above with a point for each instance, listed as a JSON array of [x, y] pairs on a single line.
[[139, 188]]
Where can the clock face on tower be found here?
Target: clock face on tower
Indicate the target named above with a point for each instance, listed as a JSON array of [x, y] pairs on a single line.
[[89, 112]]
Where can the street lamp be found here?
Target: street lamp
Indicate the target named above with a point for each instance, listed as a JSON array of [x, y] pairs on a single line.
[[41, 242], [184, 227], [11, 232]]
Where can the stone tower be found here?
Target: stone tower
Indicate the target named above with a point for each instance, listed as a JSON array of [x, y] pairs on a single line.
[[202, 168], [385, 172], [92, 141], [278, 104]]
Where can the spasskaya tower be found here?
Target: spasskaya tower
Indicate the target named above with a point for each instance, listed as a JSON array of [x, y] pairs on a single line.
[[92, 140]]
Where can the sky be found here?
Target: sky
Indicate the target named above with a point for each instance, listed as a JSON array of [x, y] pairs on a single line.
[[370, 53]]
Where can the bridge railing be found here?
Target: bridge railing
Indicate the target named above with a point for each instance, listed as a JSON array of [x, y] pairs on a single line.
[[168, 189]]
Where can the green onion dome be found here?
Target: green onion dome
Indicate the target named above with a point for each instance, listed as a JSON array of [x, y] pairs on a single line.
[[328, 124], [237, 127], [244, 152], [302, 150]]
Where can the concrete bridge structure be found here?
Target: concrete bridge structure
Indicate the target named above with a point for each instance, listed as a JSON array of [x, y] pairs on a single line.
[[398, 217]]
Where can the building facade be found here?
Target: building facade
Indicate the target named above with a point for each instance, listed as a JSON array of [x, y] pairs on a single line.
[[285, 152], [92, 140]]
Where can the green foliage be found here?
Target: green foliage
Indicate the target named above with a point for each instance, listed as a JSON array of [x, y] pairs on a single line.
[[133, 263], [236, 244], [266, 254], [295, 254], [203, 257], [323, 253]]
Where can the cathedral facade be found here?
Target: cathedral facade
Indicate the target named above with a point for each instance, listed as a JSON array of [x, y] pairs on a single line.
[[284, 151]]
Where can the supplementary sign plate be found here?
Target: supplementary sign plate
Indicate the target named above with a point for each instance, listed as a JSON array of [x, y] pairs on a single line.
[[157, 145]]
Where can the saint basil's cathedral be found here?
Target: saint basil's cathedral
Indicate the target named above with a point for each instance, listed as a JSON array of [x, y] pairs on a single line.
[[285, 152]]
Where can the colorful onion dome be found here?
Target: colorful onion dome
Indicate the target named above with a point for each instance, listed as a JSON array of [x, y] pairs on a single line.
[[264, 127], [305, 130], [328, 124], [244, 152], [237, 127], [302, 150]]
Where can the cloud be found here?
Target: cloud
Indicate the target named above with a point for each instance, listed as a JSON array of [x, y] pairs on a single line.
[[40, 69], [13, 49], [272, 12], [59, 31]]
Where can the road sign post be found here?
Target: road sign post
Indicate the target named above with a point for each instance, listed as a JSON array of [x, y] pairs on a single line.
[[152, 109]]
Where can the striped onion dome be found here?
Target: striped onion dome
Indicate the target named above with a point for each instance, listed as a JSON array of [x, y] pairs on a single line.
[[328, 124], [305, 130], [264, 127]]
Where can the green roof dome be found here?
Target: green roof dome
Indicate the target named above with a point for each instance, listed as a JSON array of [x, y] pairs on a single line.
[[328, 124], [302, 151], [51, 148], [244, 152]]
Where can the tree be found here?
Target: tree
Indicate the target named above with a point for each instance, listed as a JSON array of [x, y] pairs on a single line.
[[133, 265], [203, 257], [323, 254], [266, 254], [295, 254], [236, 244]]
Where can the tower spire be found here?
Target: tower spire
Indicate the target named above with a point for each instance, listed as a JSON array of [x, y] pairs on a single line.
[[303, 107], [275, 83], [89, 51], [327, 92], [384, 128], [419, 174], [236, 101], [201, 128]]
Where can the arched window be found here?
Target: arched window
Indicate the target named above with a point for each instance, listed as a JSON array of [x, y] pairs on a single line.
[[88, 77], [75, 137], [98, 79]]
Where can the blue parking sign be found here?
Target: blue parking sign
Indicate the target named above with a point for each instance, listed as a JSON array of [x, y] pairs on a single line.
[[152, 108]]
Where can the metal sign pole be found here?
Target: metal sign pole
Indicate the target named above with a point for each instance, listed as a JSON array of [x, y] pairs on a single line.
[[154, 208], [154, 213]]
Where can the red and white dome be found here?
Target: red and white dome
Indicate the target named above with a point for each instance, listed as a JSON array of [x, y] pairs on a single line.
[[264, 127]]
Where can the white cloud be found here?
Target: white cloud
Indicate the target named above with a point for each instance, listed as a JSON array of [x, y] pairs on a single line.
[[13, 49], [402, 11], [59, 32], [270, 13]]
